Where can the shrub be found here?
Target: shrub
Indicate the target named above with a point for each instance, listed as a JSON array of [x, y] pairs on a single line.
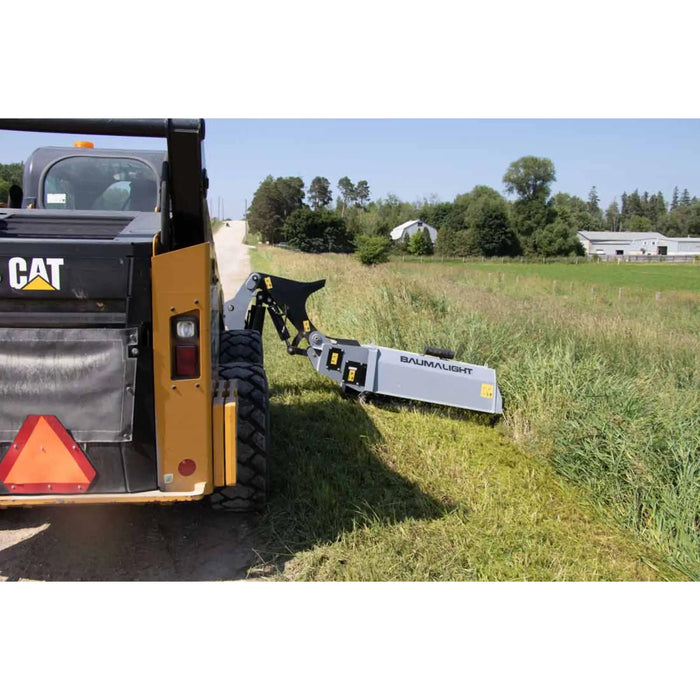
[[373, 250]]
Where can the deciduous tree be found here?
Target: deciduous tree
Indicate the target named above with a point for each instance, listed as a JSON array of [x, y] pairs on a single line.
[[319, 231], [491, 229], [530, 178], [273, 202]]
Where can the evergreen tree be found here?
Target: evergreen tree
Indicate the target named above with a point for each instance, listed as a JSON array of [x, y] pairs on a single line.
[[634, 204], [320, 193], [674, 201], [419, 243], [685, 198], [594, 201], [347, 192], [361, 193]]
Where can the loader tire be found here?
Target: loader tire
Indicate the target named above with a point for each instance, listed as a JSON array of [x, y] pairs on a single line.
[[252, 489], [240, 346]]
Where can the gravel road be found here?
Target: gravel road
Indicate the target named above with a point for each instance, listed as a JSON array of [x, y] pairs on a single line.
[[187, 542]]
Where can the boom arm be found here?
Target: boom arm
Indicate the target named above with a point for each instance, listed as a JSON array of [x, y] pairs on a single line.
[[433, 377]]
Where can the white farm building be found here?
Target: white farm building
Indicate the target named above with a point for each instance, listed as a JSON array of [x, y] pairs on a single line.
[[616, 243], [407, 229]]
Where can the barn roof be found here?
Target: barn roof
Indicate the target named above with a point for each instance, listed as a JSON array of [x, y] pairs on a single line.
[[397, 232], [599, 236]]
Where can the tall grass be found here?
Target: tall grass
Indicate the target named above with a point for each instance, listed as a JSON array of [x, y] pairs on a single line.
[[602, 385]]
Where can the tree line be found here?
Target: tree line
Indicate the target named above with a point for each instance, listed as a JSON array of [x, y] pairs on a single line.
[[533, 221]]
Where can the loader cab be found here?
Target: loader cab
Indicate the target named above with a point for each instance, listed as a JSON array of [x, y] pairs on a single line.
[[88, 179], [109, 321]]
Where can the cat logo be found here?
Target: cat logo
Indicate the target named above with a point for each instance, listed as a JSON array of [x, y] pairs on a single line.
[[39, 274]]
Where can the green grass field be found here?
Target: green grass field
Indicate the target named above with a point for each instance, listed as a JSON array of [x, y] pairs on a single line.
[[656, 277], [592, 474]]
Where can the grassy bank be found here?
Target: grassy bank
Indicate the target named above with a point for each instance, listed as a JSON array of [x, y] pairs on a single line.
[[592, 474]]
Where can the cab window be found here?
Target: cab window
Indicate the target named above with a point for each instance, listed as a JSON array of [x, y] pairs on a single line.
[[99, 183]]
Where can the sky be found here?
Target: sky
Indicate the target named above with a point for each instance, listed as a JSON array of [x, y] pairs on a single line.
[[416, 158]]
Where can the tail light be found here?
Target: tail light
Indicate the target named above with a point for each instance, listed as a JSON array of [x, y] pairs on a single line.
[[184, 338]]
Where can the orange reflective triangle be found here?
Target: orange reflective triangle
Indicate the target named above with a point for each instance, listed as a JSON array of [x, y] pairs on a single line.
[[44, 453], [39, 284]]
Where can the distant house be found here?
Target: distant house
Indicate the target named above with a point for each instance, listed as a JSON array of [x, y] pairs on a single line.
[[407, 229], [614, 243]]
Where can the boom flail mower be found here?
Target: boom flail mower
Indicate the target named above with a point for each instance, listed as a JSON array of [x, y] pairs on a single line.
[[124, 377]]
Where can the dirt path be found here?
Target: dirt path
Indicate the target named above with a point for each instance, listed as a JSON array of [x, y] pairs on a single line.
[[232, 256], [187, 542]]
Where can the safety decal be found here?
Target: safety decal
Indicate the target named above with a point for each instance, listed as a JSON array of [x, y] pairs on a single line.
[[487, 391]]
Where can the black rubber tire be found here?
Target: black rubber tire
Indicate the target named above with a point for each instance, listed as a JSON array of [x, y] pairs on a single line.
[[252, 489], [240, 346]]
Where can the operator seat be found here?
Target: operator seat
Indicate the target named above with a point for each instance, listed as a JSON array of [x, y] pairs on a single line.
[[143, 195]]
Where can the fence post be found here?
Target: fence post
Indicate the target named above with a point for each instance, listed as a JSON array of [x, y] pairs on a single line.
[[571, 287], [554, 286], [619, 293]]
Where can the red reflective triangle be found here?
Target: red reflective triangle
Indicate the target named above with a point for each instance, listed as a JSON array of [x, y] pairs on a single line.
[[45, 459]]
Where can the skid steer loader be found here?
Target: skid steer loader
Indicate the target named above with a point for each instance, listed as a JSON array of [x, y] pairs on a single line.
[[124, 376]]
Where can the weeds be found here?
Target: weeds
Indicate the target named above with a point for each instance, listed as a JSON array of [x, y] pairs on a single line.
[[602, 396]]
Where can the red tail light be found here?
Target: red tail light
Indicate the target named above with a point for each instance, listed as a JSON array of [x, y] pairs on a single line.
[[186, 365], [184, 339]]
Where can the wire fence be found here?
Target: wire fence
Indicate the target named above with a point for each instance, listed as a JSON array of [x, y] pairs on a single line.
[[568, 260]]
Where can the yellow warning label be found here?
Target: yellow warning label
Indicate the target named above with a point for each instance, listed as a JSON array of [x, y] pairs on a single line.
[[334, 358], [307, 326], [487, 391], [268, 283], [351, 375]]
